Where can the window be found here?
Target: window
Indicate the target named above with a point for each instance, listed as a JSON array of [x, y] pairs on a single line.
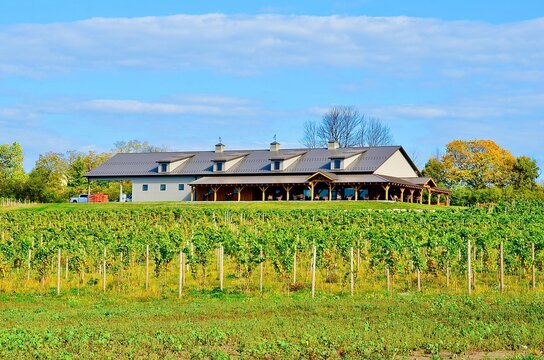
[[337, 163], [145, 187], [219, 166], [277, 165], [163, 187], [164, 167], [181, 187]]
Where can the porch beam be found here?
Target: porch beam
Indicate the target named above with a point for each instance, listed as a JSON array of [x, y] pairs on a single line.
[[287, 189], [215, 189], [263, 189], [356, 188], [239, 192], [386, 188]]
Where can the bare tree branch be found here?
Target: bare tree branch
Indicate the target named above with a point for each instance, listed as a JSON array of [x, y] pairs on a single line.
[[377, 133], [347, 126], [310, 138]]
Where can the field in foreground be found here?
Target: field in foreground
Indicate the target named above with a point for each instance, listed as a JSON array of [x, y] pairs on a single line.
[[220, 326]]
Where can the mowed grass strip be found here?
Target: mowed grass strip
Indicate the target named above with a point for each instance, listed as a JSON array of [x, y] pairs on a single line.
[[217, 325], [256, 205]]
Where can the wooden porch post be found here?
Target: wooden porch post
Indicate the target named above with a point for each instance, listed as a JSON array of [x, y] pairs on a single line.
[[263, 189], [401, 194], [88, 187], [311, 186], [331, 188], [120, 191], [386, 188], [412, 195], [239, 191], [215, 190], [438, 196], [430, 195], [287, 190], [447, 200], [421, 196], [356, 188]]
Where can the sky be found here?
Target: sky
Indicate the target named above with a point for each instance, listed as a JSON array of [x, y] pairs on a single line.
[[181, 74]]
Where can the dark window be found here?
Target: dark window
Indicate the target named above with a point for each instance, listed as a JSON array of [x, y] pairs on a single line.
[[277, 165], [337, 163], [164, 167], [163, 187], [219, 166], [145, 187], [181, 187]]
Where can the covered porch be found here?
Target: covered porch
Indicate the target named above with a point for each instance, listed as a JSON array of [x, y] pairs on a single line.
[[320, 186]]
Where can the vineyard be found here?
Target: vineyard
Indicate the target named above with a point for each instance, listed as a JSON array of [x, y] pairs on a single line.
[[178, 251]]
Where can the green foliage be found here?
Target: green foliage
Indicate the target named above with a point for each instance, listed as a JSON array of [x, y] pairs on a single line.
[[404, 240], [525, 173], [364, 327], [12, 174]]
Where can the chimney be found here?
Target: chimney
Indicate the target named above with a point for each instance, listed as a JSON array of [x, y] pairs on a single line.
[[220, 147], [333, 145]]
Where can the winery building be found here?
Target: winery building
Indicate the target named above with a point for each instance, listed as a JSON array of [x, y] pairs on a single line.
[[274, 174]]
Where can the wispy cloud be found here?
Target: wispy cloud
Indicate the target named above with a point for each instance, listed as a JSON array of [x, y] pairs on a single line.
[[249, 44]]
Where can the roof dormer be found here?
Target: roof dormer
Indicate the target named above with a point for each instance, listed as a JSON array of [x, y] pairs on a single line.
[[224, 161], [342, 159], [282, 160], [170, 164]]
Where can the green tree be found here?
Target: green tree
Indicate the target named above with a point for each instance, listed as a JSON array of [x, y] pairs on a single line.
[[12, 173], [525, 173], [48, 180], [435, 169]]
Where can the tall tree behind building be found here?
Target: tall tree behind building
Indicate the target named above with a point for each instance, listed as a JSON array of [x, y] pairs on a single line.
[[347, 126]]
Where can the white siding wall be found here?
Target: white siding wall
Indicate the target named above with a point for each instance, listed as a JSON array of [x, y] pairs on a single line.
[[397, 165], [154, 192]]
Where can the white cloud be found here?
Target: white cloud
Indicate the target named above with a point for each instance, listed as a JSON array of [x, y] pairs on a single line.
[[249, 44]]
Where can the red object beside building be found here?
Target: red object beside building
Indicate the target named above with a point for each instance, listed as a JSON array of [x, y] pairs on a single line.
[[98, 198]]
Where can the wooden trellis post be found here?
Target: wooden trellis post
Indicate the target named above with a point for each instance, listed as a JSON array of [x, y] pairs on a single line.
[[221, 252], [58, 272], [352, 278], [533, 267], [261, 265], [314, 260], [387, 278], [469, 268], [181, 268], [501, 274], [295, 267], [104, 272], [147, 267]]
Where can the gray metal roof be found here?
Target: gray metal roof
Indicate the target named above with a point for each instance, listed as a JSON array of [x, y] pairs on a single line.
[[250, 180], [256, 162], [299, 179]]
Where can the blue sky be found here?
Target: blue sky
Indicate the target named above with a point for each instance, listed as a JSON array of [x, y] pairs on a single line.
[[80, 76]]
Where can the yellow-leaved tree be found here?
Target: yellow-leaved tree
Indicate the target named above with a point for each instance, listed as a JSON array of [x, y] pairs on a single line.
[[477, 164]]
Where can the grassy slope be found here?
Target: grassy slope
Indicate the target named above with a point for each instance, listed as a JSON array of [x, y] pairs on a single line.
[[218, 326], [339, 205]]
